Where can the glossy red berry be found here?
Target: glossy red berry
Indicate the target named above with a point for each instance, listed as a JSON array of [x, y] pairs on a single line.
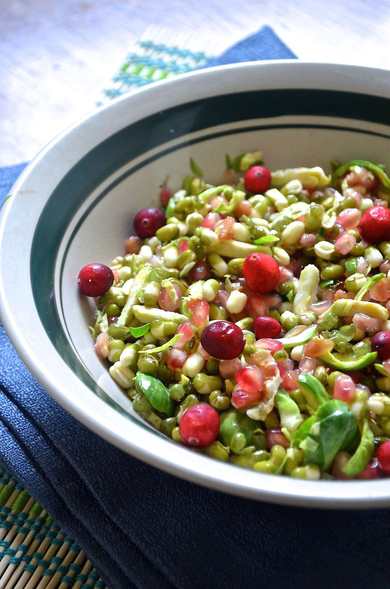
[[375, 225], [261, 273], [372, 470], [147, 221], [223, 340], [199, 425], [383, 455], [95, 279], [266, 327], [381, 344], [257, 179]]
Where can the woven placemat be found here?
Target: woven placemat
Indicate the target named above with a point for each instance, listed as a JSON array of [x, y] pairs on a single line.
[[34, 552]]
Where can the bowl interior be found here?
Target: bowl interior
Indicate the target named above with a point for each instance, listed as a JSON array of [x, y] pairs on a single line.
[[115, 168]]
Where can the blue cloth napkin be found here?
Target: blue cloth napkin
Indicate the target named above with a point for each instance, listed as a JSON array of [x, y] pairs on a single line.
[[145, 529]]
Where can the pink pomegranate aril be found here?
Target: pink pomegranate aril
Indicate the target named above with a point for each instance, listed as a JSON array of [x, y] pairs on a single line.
[[269, 344], [223, 340], [199, 425], [243, 208], [95, 279], [250, 379], [147, 221], [308, 240], [169, 298], [345, 243], [275, 437], [175, 358], [102, 345], [211, 220], [186, 332], [242, 399], [349, 218], [225, 229], [199, 310], [383, 455], [344, 389]]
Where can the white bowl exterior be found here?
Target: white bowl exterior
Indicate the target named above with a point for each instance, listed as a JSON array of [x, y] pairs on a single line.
[[101, 235]]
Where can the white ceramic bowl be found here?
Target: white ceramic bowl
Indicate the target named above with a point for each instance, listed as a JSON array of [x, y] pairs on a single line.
[[75, 202]]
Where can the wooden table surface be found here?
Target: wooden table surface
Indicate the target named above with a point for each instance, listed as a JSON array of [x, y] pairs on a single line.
[[57, 55]]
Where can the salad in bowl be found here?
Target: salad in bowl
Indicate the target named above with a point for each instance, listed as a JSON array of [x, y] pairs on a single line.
[[250, 320]]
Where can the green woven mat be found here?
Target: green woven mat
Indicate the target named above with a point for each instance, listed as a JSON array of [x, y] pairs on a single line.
[[34, 552]]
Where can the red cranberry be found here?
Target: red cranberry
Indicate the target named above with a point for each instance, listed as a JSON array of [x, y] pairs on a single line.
[[200, 271], [147, 221], [95, 279], [261, 273], [372, 470], [223, 340], [199, 425], [267, 327], [375, 225], [383, 455], [165, 195], [381, 344], [257, 179]]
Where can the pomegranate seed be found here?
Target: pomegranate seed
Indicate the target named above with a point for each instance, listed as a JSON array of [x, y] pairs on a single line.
[[183, 246], [228, 368], [275, 437], [186, 333], [375, 225], [175, 358], [223, 340], [147, 221], [165, 195], [217, 201], [221, 298], [132, 245], [372, 470], [169, 299], [243, 208], [271, 345], [199, 312], [95, 279], [345, 243], [250, 379], [285, 275], [381, 291], [101, 345], [211, 220], [243, 399], [225, 228], [199, 425], [267, 327], [201, 271], [383, 455], [344, 389], [261, 273], [349, 218], [381, 344], [257, 179]]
